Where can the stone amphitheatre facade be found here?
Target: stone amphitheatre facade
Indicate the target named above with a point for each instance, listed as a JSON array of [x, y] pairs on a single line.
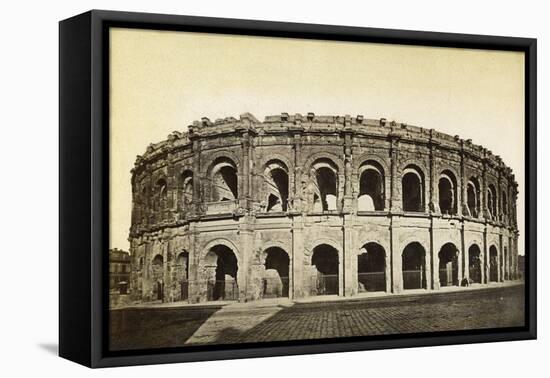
[[303, 205]]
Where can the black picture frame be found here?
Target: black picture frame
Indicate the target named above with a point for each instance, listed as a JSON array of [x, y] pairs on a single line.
[[84, 195]]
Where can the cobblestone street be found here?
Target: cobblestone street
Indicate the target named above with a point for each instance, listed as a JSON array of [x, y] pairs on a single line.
[[286, 320]]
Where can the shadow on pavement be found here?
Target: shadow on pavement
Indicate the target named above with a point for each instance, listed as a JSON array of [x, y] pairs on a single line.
[[147, 328], [238, 323]]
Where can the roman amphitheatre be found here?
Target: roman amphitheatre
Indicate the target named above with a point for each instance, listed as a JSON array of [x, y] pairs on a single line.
[[306, 205]]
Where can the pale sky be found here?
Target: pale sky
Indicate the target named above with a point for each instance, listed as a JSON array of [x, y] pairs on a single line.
[[161, 81]]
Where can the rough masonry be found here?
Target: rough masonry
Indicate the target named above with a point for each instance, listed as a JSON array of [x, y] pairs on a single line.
[[302, 205]]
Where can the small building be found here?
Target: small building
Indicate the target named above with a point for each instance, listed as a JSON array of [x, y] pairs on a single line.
[[119, 270]]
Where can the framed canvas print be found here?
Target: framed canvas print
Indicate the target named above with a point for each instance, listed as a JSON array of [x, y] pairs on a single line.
[[234, 188]]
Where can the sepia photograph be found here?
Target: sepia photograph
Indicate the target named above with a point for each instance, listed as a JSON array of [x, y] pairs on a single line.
[[268, 189]]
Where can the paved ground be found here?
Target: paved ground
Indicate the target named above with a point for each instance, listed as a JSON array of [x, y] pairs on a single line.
[[286, 320]]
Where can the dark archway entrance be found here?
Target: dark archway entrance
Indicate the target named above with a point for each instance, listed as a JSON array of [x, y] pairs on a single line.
[[371, 268], [448, 265], [472, 197], [447, 193], [412, 190], [327, 182], [371, 188], [325, 276], [224, 180], [275, 280], [414, 266], [222, 270], [182, 274], [160, 290], [493, 264], [474, 263], [157, 271], [277, 187]]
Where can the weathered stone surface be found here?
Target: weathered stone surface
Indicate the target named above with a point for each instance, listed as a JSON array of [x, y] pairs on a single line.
[[298, 184]]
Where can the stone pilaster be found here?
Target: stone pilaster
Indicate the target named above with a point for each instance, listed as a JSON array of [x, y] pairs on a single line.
[[297, 203], [297, 259], [348, 163], [244, 177], [463, 206], [433, 195], [486, 263], [465, 254], [349, 275], [197, 197], [246, 242], [395, 198], [395, 254], [432, 261], [483, 203]]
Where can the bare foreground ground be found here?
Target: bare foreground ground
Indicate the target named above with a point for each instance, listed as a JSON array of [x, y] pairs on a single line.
[[277, 320]]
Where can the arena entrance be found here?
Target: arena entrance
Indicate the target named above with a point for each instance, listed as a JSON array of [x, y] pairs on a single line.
[[371, 268], [275, 280], [414, 266], [324, 262], [221, 271], [493, 264], [448, 265], [474, 263], [157, 265], [182, 274]]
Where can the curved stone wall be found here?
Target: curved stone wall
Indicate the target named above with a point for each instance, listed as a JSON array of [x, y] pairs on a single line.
[[308, 205]]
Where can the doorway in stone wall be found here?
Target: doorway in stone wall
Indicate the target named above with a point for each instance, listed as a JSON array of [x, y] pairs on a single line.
[[160, 290], [448, 265], [325, 275], [275, 282], [371, 268], [222, 285], [414, 266]]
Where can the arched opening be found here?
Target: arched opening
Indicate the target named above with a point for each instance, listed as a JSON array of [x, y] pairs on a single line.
[[325, 180], [448, 265], [160, 290], [161, 193], [447, 193], [185, 190], [472, 200], [474, 263], [224, 180], [492, 201], [414, 266], [182, 274], [275, 280], [371, 268], [412, 190], [157, 262], [157, 272], [221, 271], [276, 181], [493, 264], [371, 188], [324, 263]]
